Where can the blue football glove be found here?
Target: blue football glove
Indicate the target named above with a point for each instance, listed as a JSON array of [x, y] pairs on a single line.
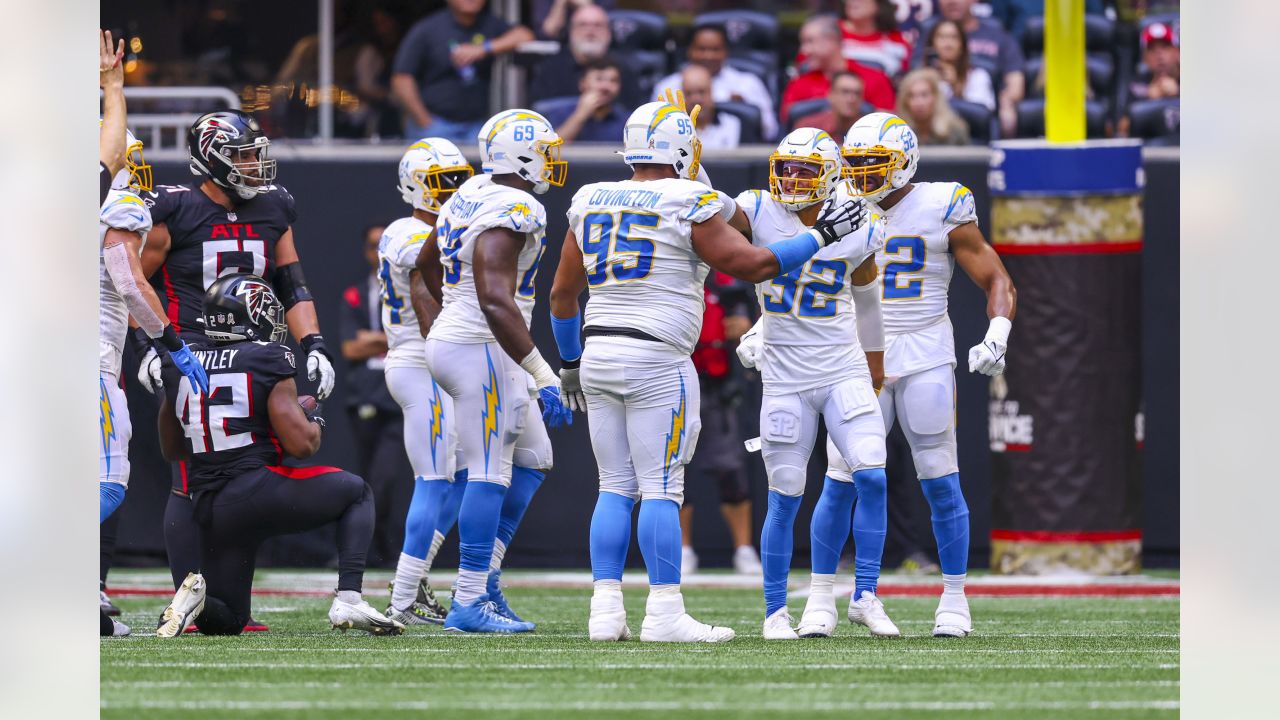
[[188, 365], [554, 412]]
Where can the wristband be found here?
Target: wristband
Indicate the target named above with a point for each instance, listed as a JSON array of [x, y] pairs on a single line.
[[488, 47], [315, 341], [169, 339], [568, 334], [999, 330], [539, 369], [796, 251]]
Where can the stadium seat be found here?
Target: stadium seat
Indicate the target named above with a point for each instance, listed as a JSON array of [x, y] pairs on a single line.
[[1099, 35], [637, 30], [1100, 68], [761, 63], [1031, 118], [558, 104], [748, 115], [1156, 120], [649, 67], [747, 29], [801, 108], [978, 117]]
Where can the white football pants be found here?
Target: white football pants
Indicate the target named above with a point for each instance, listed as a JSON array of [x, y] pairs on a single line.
[[115, 430], [430, 438]]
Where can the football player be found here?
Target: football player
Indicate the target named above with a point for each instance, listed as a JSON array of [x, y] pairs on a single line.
[[480, 264], [642, 247], [234, 439], [111, 146], [232, 219], [930, 228], [823, 354], [430, 171]]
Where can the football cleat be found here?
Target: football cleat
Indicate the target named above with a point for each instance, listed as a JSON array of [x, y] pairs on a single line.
[[688, 560], [952, 619], [778, 626], [500, 602], [666, 621], [418, 612], [427, 598], [118, 629], [746, 561], [819, 619], [868, 610], [346, 616], [187, 603], [105, 603], [608, 621], [482, 616]]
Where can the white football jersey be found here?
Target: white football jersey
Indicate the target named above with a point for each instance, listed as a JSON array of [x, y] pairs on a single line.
[[479, 205], [642, 272], [397, 256], [916, 267], [124, 211], [809, 329]]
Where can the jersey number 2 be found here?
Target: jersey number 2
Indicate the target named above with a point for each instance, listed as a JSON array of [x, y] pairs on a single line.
[[894, 288], [609, 249], [205, 424]]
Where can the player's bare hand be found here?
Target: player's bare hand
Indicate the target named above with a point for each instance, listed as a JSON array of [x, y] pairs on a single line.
[[589, 102], [467, 54], [110, 65]]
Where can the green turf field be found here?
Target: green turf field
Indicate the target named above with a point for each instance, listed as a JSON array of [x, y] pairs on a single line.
[[1038, 658]]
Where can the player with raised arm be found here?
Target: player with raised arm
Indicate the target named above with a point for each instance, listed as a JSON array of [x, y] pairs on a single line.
[[642, 247], [480, 264], [821, 343], [930, 228], [430, 171], [234, 439], [232, 219]]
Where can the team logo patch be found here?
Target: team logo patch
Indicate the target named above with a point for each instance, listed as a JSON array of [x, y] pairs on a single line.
[[288, 357]]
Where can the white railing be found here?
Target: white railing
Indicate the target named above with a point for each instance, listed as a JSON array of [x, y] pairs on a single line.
[[167, 131]]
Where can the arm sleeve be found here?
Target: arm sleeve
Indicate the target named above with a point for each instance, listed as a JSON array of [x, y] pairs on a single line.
[[116, 260], [869, 316]]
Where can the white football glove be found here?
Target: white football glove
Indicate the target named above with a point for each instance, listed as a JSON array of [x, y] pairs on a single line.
[[751, 346], [318, 366], [149, 372], [838, 218], [987, 357], [571, 390]]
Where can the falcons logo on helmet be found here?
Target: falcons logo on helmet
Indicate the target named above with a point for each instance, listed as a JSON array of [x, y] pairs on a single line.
[[214, 130], [256, 297]]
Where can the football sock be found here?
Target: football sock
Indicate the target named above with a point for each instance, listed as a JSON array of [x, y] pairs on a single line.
[[452, 503], [355, 533], [953, 584], [499, 552], [777, 540], [409, 571], [477, 527], [829, 530], [658, 531], [424, 512], [436, 542], [870, 522], [822, 583], [351, 597], [110, 495], [950, 516], [610, 536], [524, 483]]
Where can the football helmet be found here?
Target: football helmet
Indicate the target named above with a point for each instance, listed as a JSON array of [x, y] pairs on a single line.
[[805, 168], [243, 306], [881, 153], [229, 147], [662, 134], [524, 143], [136, 174], [430, 171]]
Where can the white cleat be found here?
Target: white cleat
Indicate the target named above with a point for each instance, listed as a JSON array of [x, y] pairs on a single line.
[[119, 629], [608, 621], [688, 560], [778, 626], [868, 610], [952, 619], [666, 621], [187, 603], [746, 561], [819, 619], [346, 616]]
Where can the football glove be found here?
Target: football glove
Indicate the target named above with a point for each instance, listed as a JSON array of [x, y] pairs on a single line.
[[571, 386], [751, 346], [148, 361], [837, 219], [554, 412], [319, 365], [987, 357], [188, 365]]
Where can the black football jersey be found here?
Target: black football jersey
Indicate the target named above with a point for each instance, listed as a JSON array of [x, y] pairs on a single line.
[[229, 430], [209, 241]]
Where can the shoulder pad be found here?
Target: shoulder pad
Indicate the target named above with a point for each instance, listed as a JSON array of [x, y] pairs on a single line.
[[960, 207], [125, 211]]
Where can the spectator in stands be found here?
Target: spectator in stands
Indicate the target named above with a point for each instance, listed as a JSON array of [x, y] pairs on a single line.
[[922, 105], [589, 39], [820, 45], [550, 16], [446, 60], [992, 47], [870, 36], [709, 47], [715, 129], [376, 419], [846, 99], [373, 73], [1163, 58], [947, 51], [1013, 14], [598, 116]]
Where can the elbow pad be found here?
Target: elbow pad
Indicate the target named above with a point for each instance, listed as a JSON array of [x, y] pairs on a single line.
[[866, 306], [290, 285]]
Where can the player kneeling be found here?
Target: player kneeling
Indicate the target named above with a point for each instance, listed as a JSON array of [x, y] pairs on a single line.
[[233, 441]]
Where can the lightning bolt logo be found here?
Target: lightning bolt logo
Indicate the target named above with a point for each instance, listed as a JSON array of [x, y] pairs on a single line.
[[492, 406], [662, 114], [106, 419], [703, 200], [675, 438], [437, 426]]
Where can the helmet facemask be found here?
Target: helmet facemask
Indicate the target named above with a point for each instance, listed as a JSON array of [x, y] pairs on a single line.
[[554, 170], [139, 171], [250, 171], [870, 170], [798, 181], [438, 183]]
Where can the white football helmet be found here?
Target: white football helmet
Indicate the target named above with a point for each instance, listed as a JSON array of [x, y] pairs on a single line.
[[881, 153], [805, 168], [430, 171], [524, 143], [136, 173], [662, 134]]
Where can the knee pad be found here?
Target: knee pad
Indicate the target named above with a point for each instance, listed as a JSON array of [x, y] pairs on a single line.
[[218, 619], [837, 467], [934, 462], [787, 480], [928, 408], [868, 452], [733, 488], [533, 447], [693, 429]]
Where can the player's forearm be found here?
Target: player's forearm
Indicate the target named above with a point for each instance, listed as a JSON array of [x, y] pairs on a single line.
[[510, 40], [405, 88], [1002, 297], [302, 320], [172, 441], [425, 307], [125, 271], [569, 129], [111, 139], [507, 325]]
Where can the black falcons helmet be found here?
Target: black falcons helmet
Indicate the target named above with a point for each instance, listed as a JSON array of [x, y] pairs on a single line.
[[243, 307], [230, 148]]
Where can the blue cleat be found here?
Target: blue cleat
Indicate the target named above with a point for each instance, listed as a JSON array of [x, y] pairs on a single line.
[[482, 617], [500, 601]]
